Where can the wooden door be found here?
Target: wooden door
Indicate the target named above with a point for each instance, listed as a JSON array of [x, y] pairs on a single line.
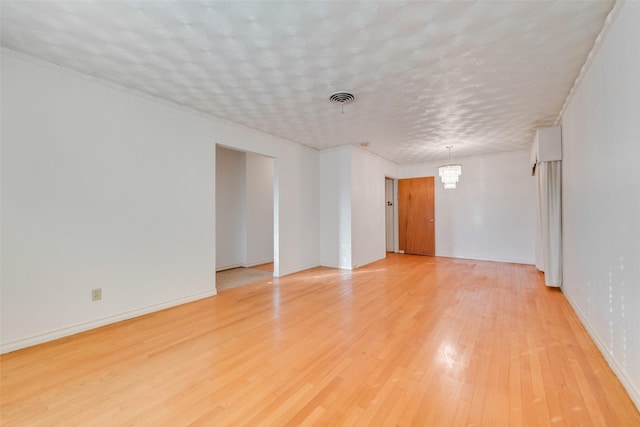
[[416, 219]]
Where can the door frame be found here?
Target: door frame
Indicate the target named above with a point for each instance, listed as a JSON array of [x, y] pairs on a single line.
[[396, 247], [389, 220]]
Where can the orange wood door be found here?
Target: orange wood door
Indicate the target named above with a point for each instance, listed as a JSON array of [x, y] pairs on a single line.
[[416, 219]]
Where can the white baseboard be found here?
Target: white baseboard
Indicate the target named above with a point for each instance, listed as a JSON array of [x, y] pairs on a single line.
[[254, 263], [81, 327], [328, 265], [631, 388], [336, 266], [369, 261], [283, 273], [227, 267], [247, 265], [483, 258]]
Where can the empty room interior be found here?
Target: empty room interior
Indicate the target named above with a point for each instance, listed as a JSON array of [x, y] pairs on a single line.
[[440, 201]]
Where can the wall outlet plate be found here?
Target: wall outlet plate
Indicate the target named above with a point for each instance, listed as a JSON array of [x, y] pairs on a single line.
[[96, 294]]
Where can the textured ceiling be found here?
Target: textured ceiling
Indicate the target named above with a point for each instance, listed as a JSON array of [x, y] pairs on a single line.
[[480, 76]]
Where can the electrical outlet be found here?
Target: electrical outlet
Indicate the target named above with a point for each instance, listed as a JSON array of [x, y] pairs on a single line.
[[96, 294]]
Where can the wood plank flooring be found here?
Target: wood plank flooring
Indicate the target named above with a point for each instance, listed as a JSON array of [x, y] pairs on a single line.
[[407, 341]]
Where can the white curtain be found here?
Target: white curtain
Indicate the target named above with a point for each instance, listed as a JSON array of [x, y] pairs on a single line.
[[549, 221]]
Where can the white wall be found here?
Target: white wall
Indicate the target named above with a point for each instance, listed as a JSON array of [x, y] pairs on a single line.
[[368, 227], [99, 190], [230, 208], [490, 215], [601, 198], [259, 210], [335, 208], [352, 207], [296, 210], [104, 188]]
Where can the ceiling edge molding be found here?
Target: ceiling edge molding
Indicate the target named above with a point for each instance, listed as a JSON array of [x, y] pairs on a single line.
[[608, 24]]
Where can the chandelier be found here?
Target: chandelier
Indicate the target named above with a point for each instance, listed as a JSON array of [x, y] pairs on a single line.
[[450, 174]]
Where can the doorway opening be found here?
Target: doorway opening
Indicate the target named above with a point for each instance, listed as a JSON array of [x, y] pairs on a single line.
[[245, 205]]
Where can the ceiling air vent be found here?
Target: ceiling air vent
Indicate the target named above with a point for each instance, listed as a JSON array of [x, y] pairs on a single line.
[[342, 97]]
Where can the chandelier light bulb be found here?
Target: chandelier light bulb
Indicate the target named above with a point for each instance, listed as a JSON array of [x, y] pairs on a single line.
[[450, 174]]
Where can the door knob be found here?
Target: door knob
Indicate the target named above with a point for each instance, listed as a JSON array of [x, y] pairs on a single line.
[[431, 220]]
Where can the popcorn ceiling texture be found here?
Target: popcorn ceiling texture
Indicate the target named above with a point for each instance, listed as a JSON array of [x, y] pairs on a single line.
[[480, 76]]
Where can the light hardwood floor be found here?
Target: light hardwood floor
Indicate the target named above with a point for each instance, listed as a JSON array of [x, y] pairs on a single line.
[[266, 267], [410, 341]]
